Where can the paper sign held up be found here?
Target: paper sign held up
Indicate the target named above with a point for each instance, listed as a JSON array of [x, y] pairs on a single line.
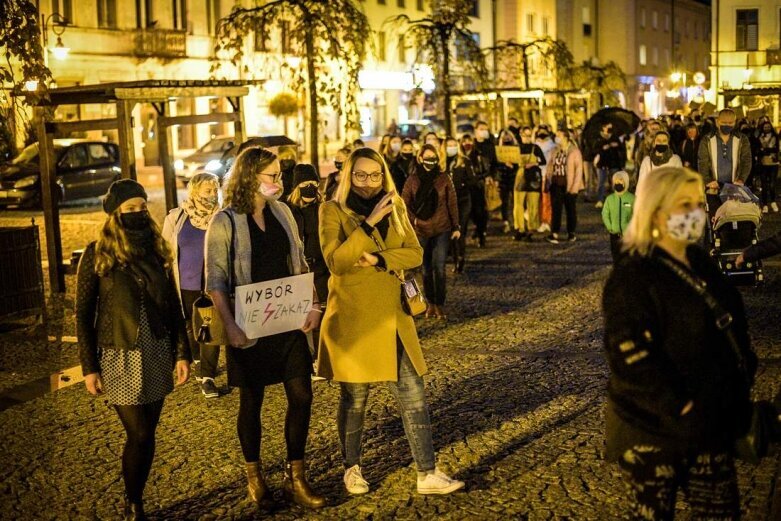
[[508, 154], [274, 306]]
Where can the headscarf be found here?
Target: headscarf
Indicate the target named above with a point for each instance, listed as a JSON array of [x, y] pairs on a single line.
[[199, 210]]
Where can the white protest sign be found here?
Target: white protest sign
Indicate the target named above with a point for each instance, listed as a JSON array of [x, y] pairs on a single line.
[[274, 306]]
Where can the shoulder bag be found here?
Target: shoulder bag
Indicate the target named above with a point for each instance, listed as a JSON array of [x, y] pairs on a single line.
[[753, 445], [205, 316]]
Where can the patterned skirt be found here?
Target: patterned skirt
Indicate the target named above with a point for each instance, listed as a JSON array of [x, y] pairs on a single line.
[[141, 375]]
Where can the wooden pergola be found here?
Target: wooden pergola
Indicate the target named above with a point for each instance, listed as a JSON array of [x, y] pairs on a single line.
[[124, 96]]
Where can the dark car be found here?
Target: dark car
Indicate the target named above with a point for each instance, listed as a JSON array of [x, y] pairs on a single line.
[[83, 169], [221, 166]]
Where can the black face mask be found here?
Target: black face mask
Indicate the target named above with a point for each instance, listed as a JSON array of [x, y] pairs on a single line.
[[542, 135], [661, 148], [287, 164], [726, 129], [407, 155], [430, 164], [338, 164], [618, 187], [697, 119], [309, 192], [134, 221]]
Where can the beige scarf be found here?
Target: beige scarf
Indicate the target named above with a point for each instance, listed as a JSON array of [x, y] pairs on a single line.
[[199, 210]]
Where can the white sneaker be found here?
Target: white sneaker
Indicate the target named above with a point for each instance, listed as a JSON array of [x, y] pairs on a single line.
[[764, 209], [438, 483], [598, 205], [544, 227], [354, 482], [506, 228], [774, 207]]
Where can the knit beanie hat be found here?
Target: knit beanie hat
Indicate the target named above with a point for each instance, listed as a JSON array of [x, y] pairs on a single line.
[[119, 192], [304, 172]]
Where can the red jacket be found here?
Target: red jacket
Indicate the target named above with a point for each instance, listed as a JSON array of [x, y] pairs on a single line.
[[445, 217]]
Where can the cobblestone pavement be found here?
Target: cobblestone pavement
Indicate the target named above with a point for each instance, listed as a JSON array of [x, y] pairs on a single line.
[[516, 391]]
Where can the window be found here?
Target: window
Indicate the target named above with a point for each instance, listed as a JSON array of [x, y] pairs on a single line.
[[99, 154], [667, 57], [655, 56], [260, 37], [402, 48], [654, 19], [667, 22], [642, 57], [64, 8], [381, 46], [285, 37], [107, 13], [381, 2], [144, 12], [545, 29], [586, 13], [76, 157], [179, 8], [642, 17], [400, 3], [475, 10], [586, 29], [747, 22], [696, 33], [420, 5], [530, 22], [461, 48], [213, 13]]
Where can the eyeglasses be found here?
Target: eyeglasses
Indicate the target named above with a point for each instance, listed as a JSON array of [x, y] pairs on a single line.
[[363, 176], [275, 175]]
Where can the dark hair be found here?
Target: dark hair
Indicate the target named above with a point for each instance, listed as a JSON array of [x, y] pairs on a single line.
[[481, 122], [251, 142], [407, 141], [466, 135], [525, 128], [428, 147]]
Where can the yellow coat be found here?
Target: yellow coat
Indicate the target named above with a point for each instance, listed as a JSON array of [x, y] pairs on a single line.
[[363, 312]]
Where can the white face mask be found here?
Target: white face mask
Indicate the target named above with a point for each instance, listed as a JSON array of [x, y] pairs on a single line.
[[270, 191], [451, 151], [395, 147], [482, 134], [687, 227]]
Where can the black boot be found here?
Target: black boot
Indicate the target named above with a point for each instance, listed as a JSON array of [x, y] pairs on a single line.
[[134, 511]]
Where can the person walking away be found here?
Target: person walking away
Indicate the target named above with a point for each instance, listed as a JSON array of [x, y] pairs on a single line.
[[184, 229], [432, 207], [617, 212], [304, 202], [725, 156], [255, 239], [459, 169], [678, 398], [690, 147], [479, 213], [564, 178], [287, 161], [660, 157], [130, 328], [367, 337], [401, 168], [527, 189], [768, 160], [484, 156], [545, 140], [507, 173], [332, 181], [611, 157]]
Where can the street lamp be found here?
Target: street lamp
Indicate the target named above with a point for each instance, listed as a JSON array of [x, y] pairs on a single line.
[[59, 50]]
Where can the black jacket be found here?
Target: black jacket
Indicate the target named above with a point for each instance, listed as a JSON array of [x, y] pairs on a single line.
[[308, 219], [664, 349], [463, 178], [483, 157], [612, 153], [689, 152], [106, 322], [400, 170], [763, 249]]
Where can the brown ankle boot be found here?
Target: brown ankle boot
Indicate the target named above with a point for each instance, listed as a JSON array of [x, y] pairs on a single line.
[[297, 489], [258, 491]]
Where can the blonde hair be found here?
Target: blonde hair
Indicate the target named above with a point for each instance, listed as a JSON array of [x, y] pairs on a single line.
[[113, 249], [399, 211], [287, 152], [657, 189], [199, 179], [460, 156]]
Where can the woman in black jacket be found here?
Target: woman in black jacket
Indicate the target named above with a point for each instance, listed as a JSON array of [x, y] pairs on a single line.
[[130, 328], [459, 168], [677, 397]]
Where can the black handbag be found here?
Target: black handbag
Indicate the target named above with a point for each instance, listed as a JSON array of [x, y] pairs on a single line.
[[205, 316], [753, 445]]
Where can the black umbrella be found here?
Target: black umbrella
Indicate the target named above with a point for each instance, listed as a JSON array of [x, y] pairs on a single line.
[[276, 141], [624, 122]]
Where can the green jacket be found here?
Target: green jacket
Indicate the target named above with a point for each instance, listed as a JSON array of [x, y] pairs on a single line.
[[617, 212]]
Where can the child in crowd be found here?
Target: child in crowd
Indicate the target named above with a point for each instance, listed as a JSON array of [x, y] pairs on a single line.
[[617, 212]]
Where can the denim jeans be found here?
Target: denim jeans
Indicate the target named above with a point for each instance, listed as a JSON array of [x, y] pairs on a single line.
[[411, 399], [434, 256]]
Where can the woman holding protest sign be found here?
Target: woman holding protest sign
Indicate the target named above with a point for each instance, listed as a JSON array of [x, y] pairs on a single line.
[[256, 239], [367, 336]]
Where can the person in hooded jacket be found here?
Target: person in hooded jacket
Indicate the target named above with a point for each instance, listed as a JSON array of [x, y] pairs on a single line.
[[679, 389], [403, 165], [432, 206], [459, 169], [617, 212], [287, 161], [131, 329], [304, 202]]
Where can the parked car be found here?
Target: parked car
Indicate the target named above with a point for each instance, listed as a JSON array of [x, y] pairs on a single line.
[[417, 128], [221, 166], [205, 158], [82, 169]]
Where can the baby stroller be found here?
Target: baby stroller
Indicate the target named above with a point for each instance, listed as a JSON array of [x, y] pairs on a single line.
[[734, 217]]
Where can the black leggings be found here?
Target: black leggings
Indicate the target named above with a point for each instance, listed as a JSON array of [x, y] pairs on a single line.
[[299, 410], [140, 422]]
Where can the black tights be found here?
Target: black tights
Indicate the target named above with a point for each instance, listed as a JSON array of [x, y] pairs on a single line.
[[140, 422], [299, 410]]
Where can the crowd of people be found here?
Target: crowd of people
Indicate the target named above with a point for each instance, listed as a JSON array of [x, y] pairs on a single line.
[[384, 215]]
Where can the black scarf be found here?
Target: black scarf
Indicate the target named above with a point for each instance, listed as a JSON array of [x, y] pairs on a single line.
[[148, 268], [364, 207], [659, 160], [425, 203]]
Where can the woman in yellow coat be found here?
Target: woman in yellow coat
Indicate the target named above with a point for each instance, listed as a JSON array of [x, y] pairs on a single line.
[[366, 337]]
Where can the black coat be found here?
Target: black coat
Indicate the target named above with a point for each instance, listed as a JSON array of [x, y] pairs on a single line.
[[463, 178], [689, 150], [308, 222], [664, 349], [107, 322], [763, 249]]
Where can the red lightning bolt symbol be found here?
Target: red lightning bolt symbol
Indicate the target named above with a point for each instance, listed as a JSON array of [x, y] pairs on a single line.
[[268, 312]]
